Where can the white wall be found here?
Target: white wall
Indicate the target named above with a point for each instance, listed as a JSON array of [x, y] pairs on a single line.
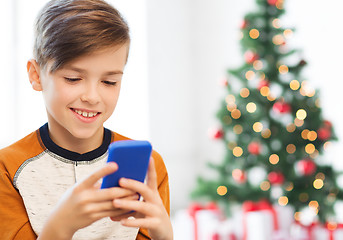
[[191, 43]]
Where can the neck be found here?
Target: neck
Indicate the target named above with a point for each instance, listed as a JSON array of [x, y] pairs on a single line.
[[66, 140]]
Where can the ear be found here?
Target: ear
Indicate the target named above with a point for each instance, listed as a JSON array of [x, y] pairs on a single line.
[[33, 71]]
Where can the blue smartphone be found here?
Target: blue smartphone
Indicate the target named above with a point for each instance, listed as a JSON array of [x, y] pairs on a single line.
[[132, 158]]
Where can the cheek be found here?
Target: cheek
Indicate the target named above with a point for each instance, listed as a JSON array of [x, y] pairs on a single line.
[[58, 96], [111, 97]]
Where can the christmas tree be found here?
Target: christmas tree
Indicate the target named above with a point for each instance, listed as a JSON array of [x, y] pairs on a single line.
[[272, 125]]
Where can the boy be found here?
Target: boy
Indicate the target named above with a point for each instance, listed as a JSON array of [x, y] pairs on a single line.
[[47, 190]]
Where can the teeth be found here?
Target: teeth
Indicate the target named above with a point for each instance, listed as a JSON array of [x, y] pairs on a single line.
[[86, 114]]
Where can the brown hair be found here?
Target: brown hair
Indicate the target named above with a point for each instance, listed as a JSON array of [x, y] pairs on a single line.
[[67, 29]]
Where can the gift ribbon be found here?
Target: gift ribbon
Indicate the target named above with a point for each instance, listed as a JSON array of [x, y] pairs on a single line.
[[231, 236], [309, 228], [250, 206], [332, 229], [194, 208]]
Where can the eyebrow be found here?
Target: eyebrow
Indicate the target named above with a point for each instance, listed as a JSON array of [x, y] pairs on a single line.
[[80, 70]]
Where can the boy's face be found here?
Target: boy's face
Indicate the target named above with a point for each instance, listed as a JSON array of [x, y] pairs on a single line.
[[83, 94]]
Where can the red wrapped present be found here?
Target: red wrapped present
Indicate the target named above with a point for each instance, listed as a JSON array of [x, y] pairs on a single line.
[[260, 220]]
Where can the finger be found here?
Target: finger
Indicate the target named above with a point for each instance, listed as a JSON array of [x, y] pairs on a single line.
[[100, 207], [125, 215], [152, 176], [103, 214], [109, 194], [95, 208], [148, 223], [145, 208], [138, 187], [97, 175]]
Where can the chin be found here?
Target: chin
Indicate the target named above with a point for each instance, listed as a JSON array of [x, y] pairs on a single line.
[[84, 134]]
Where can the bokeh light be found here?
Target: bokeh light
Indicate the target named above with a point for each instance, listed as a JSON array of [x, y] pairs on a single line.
[[251, 107], [238, 129], [221, 190], [254, 33], [310, 148], [291, 148], [312, 136], [265, 91], [294, 85], [298, 122], [237, 151], [283, 69], [265, 186], [244, 92], [258, 64], [283, 201], [266, 133], [288, 33], [250, 75], [274, 159], [291, 127], [304, 133], [276, 23], [235, 114], [318, 183], [278, 39], [258, 127]]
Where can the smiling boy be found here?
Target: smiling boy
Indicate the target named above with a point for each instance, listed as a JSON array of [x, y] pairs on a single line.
[[48, 186]]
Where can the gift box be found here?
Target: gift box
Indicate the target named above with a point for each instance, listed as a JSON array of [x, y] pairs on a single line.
[[202, 222], [317, 231], [301, 231], [263, 221], [329, 231], [226, 230]]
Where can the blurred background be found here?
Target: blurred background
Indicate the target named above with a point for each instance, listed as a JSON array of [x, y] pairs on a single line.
[[172, 89]]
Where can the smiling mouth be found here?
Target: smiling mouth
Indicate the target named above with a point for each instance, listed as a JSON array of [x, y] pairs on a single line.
[[85, 114]]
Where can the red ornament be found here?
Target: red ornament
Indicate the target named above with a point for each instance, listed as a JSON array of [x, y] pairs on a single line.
[[224, 82], [302, 62], [281, 107], [327, 124], [239, 176], [276, 178], [215, 236], [250, 57], [324, 133], [244, 24], [216, 133], [232, 236], [272, 2], [306, 167], [263, 83], [254, 148]]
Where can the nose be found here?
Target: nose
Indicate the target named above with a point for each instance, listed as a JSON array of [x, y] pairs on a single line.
[[90, 94]]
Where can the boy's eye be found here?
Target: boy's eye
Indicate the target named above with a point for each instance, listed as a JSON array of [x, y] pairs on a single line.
[[112, 83], [72, 79]]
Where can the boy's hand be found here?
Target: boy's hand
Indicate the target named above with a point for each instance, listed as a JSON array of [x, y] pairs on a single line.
[[150, 213], [84, 204]]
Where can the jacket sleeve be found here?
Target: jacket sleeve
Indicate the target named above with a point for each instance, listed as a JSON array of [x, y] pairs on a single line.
[[163, 189], [14, 223]]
